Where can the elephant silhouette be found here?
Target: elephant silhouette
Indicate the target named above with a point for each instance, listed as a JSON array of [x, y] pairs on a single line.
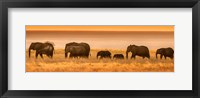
[[42, 48], [118, 56], [104, 54], [85, 53], [141, 51], [166, 52]]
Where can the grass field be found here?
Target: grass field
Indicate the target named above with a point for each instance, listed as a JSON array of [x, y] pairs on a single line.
[[60, 64]]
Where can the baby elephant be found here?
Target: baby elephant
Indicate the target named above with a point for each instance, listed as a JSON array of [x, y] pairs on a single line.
[[166, 52], [104, 54], [118, 56]]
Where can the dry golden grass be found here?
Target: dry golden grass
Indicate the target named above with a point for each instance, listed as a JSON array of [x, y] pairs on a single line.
[[60, 64]]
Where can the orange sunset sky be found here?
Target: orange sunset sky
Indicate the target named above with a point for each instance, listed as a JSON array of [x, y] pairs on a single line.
[[103, 37]]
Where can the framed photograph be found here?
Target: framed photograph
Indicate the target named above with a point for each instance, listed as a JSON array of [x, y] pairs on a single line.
[[86, 50], [101, 48]]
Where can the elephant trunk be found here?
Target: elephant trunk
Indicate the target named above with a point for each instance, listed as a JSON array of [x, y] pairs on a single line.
[[126, 54], [29, 51]]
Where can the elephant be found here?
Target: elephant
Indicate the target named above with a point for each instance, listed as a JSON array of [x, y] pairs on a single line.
[[85, 45], [141, 51], [75, 51], [42, 48], [104, 54], [118, 56], [166, 52]]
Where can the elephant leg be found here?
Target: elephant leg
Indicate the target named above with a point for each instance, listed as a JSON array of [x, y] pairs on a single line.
[[76, 56], [134, 56], [65, 55], [131, 56], [84, 56], [165, 56], [51, 55], [81, 56], [41, 55], [36, 54], [172, 57], [70, 55], [88, 55], [161, 56]]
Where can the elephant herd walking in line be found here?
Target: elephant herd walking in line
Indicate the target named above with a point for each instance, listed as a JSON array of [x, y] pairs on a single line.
[[82, 50]]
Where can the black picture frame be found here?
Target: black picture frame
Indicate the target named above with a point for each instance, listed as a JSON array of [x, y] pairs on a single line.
[[5, 4]]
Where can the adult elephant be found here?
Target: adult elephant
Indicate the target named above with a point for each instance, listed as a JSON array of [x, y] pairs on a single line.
[[75, 51], [166, 52], [42, 48], [85, 45], [141, 51], [104, 54]]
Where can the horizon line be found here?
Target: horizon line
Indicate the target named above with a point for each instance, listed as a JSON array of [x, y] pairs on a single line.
[[99, 28]]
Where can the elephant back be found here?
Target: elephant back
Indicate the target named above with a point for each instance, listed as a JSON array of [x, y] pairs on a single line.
[[67, 46], [36, 45], [49, 46], [169, 51], [142, 51], [139, 49]]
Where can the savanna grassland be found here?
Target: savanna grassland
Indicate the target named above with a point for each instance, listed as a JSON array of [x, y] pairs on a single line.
[[60, 64]]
